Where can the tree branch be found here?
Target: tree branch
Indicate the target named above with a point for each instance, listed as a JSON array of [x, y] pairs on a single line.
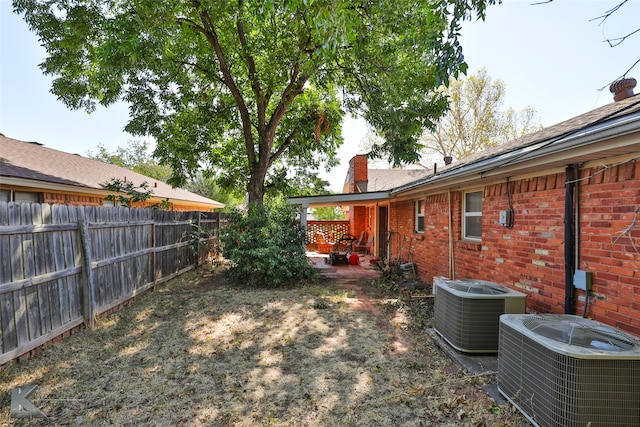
[[293, 89], [253, 75], [609, 12], [285, 145], [212, 37]]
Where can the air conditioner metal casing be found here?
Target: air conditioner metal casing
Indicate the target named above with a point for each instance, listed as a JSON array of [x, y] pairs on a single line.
[[591, 379], [467, 312]]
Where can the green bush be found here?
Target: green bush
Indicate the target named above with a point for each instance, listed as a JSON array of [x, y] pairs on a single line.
[[266, 246]]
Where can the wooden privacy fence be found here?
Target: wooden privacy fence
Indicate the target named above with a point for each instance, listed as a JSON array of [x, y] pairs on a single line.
[[331, 229], [61, 266]]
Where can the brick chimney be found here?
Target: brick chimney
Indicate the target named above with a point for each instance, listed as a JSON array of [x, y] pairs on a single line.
[[622, 89], [358, 171]]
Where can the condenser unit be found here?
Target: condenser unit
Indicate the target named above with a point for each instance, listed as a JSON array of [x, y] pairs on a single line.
[[467, 312], [566, 371]]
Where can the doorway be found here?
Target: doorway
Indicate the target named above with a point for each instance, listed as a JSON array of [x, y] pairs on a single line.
[[383, 229]]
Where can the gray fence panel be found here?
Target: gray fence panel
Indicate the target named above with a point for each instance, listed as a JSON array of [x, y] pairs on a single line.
[[60, 265]]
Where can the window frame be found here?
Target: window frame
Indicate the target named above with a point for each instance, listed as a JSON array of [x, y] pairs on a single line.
[[417, 215], [471, 214], [21, 196], [27, 196]]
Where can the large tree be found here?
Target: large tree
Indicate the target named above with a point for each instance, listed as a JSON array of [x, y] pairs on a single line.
[[249, 87], [476, 119]]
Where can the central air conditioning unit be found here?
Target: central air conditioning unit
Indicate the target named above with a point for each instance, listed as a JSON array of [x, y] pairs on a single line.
[[467, 312], [562, 370]]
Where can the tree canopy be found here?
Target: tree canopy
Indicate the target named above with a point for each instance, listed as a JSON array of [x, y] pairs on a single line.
[[256, 91], [476, 119]]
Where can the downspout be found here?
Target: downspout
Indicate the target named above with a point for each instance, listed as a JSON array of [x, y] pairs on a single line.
[[451, 253], [569, 242]]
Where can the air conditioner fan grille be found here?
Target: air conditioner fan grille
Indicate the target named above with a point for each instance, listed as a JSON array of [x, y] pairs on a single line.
[[580, 333], [477, 287]]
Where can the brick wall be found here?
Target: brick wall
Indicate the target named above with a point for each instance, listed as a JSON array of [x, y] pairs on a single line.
[[610, 243], [359, 219], [71, 199], [359, 171], [359, 175], [529, 257]]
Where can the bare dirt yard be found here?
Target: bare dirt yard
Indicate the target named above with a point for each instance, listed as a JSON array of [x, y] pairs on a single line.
[[198, 351]]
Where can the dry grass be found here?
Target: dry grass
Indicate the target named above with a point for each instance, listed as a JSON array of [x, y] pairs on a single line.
[[198, 352]]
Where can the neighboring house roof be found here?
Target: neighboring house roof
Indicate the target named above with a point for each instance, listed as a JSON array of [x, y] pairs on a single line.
[[30, 163]]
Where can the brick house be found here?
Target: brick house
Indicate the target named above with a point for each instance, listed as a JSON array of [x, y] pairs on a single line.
[[361, 179], [31, 172], [531, 212]]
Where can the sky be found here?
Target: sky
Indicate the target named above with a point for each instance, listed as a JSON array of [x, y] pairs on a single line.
[[551, 56]]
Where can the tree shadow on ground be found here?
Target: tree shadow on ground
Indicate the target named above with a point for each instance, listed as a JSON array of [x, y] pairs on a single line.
[[200, 352]]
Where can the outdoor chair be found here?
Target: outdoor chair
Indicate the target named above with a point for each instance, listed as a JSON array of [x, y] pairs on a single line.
[[363, 247], [361, 240], [324, 247]]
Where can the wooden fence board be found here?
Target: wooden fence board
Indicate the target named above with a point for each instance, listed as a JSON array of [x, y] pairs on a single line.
[[61, 265], [67, 256], [40, 269], [75, 261], [50, 267], [123, 266], [58, 255], [8, 338], [28, 265], [17, 273], [5, 247]]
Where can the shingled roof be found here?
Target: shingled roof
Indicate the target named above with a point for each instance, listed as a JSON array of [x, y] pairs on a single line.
[[36, 164], [386, 179]]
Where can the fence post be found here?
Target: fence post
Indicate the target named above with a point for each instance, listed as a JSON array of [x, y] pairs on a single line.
[[153, 254], [88, 285], [198, 235]]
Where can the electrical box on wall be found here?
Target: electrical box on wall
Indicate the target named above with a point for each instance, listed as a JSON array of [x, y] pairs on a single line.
[[582, 280], [506, 218]]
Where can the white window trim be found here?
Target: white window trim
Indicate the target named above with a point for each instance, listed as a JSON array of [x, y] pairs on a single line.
[[418, 215], [466, 215]]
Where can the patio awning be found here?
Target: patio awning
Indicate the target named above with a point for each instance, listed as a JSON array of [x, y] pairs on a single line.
[[345, 199]]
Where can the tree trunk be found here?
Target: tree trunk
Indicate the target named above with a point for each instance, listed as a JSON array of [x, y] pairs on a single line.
[[260, 166], [256, 185]]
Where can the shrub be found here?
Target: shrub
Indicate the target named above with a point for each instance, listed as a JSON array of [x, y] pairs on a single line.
[[266, 246]]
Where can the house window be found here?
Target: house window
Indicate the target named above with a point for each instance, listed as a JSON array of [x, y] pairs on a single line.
[[420, 204], [26, 197], [472, 216], [20, 196]]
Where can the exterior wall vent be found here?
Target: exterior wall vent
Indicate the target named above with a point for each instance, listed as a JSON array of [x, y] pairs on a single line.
[[563, 370], [467, 312]]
